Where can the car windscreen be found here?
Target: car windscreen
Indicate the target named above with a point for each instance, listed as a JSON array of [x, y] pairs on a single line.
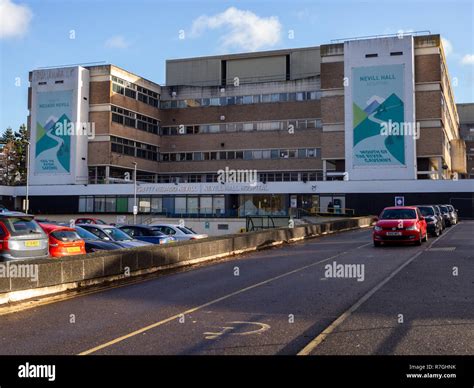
[[444, 209], [65, 235], [100, 222], [21, 226], [426, 211], [86, 234], [398, 214], [185, 230], [117, 234]]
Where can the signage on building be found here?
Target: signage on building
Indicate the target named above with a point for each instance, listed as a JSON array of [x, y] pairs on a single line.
[[53, 140], [399, 201], [377, 110]]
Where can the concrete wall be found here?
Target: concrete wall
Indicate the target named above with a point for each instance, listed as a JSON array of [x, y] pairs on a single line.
[[76, 272]]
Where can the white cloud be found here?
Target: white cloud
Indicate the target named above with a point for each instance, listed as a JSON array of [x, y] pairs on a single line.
[[468, 59], [14, 19], [117, 41], [448, 47], [243, 29]]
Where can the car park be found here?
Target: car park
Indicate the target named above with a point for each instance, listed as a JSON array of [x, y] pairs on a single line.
[[21, 237], [89, 220], [400, 224], [63, 240], [433, 222], [179, 232], [94, 243], [147, 233], [111, 233]]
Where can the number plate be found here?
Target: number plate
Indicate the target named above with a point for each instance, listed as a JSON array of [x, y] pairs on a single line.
[[32, 243], [73, 249], [394, 233]]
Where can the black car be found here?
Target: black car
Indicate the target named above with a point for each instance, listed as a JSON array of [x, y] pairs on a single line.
[[94, 243], [446, 215], [433, 222]]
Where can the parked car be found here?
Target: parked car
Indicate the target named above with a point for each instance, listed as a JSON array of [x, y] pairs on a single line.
[[3, 209], [21, 237], [147, 233], [446, 215], [401, 224], [111, 233], [179, 232], [433, 222], [96, 221], [440, 215], [94, 243], [453, 213], [63, 240]]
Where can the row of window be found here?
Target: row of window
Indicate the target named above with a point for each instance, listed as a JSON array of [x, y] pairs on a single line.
[[214, 204], [242, 155], [133, 148], [135, 120], [262, 177], [241, 100], [284, 125], [134, 91]]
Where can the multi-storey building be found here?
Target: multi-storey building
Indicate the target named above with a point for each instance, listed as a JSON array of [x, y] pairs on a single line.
[[301, 118], [466, 121]]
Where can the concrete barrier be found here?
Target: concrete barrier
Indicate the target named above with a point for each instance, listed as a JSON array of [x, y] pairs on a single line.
[[35, 278]]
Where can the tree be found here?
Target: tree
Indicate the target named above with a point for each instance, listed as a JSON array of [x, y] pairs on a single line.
[[13, 156]]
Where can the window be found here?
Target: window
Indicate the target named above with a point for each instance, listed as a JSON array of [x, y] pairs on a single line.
[[247, 99]]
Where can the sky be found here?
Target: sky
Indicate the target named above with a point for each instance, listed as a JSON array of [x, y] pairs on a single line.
[[140, 35]]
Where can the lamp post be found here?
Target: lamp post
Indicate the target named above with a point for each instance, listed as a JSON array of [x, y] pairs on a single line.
[[135, 207], [27, 200]]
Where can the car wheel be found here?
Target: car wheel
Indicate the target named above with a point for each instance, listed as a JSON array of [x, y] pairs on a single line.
[[376, 243], [418, 242]]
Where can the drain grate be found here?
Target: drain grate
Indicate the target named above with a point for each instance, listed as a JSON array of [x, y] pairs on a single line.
[[443, 249]]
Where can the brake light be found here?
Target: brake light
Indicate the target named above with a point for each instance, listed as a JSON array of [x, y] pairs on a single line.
[[4, 242]]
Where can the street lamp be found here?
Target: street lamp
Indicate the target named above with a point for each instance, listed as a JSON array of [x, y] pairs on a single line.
[[27, 201], [135, 207]]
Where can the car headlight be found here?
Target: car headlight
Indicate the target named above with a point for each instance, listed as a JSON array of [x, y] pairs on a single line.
[[413, 227], [377, 228]]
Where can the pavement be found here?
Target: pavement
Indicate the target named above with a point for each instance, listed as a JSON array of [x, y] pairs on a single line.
[[397, 300]]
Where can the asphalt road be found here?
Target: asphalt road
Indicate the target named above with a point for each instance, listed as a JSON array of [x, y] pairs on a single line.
[[274, 302]]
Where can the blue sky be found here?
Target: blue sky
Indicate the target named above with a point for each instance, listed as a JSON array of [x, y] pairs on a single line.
[[140, 35]]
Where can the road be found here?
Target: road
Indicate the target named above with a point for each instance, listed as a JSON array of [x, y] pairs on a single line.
[[275, 301]]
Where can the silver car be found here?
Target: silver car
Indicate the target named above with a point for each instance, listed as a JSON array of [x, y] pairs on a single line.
[[21, 237], [179, 232], [111, 233]]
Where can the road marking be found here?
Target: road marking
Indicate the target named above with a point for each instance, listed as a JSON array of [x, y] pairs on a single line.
[[262, 327], [328, 330], [194, 309]]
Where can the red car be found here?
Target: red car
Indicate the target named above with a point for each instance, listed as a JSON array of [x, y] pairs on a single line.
[[63, 241], [400, 224], [90, 221]]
